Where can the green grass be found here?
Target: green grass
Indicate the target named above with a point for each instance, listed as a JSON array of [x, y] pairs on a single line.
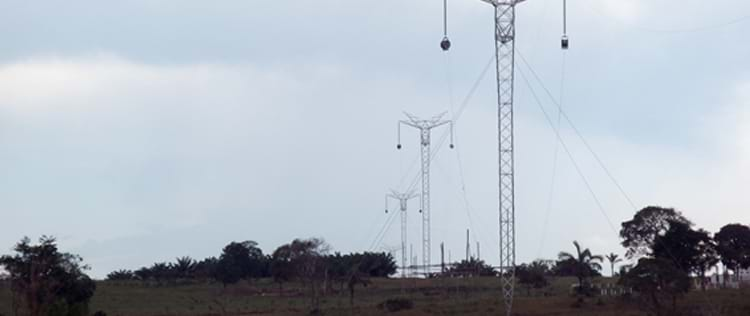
[[471, 296]]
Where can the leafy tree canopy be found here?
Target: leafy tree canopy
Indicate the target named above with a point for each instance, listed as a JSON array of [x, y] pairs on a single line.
[[692, 251], [45, 278], [639, 233], [733, 245]]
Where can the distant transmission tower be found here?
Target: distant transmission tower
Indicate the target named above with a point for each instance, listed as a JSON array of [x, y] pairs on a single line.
[[403, 199], [505, 33], [424, 127]]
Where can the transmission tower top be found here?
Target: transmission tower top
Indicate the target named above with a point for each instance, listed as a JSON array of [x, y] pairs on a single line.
[[401, 197], [425, 126]]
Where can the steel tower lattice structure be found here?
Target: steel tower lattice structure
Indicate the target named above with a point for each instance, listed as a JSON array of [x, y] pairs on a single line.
[[403, 199], [425, 127], [505, 33]]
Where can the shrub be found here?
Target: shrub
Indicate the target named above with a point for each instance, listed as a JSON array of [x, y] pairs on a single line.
[[396, 304]]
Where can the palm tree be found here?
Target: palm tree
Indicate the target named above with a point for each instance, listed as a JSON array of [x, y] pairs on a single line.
[[184, 267], [584, 261], [613, 258]]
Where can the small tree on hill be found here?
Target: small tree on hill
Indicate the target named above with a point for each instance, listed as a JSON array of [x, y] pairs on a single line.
[[583, 262], [473, 267], [121, 275], [303, 259], [613, 258], [533, 275], [693, 251], [657, 280], [733, 246], [184, 268], [47, 280], [638, 234]]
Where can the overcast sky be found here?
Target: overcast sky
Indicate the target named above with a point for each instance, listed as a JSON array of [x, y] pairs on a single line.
[[139, 131]]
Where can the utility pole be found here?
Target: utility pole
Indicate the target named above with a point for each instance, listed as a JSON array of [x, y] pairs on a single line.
[[478, 256], [403, 199], [442, 258], [411, 255], [425, 127], [468, 248], [505, 33]]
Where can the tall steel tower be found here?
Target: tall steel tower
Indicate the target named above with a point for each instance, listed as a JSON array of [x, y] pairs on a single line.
[[505, 33], [403, 199], [424, 127]]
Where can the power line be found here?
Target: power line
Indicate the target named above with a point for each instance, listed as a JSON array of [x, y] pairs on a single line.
[[567, 151], [579, 134], [550, 197]]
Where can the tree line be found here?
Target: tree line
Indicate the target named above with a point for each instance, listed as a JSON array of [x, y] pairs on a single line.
[[666, 248], [667, 251], [298, 260]]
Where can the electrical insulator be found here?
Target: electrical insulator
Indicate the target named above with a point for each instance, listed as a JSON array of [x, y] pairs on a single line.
[[564, 42], [445, 44]]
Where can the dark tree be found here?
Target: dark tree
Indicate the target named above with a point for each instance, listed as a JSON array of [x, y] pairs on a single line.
[[121, 275], [692, 251], [48, 280], [657, 280], [533, 275], [282, 269], [143, 274], [184, 268], [161, 271], [733, 245], [239, 261], [206, 268], [639, 233], [474, 267], [613, 258], [339, 267], [374, 264], [302, 259], [583, 262]]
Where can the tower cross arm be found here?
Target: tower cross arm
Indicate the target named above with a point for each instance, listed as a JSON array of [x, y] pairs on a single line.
[[440, 123], [409, 123]]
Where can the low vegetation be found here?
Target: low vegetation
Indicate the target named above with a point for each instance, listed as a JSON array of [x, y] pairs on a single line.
[[671, 259]]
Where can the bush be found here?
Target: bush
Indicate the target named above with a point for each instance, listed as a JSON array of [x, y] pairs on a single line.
[[396, 304], [578, 303]]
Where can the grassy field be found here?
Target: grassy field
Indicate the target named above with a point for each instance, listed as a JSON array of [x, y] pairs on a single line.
[[473, 296]]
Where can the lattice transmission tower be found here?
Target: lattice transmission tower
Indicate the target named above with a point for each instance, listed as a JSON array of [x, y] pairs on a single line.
[[505, 33], [425, 127], [403, 199]]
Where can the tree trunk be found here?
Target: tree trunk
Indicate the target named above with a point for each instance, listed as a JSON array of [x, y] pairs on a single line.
[[655, 301], [580, 285], [351, 295]]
